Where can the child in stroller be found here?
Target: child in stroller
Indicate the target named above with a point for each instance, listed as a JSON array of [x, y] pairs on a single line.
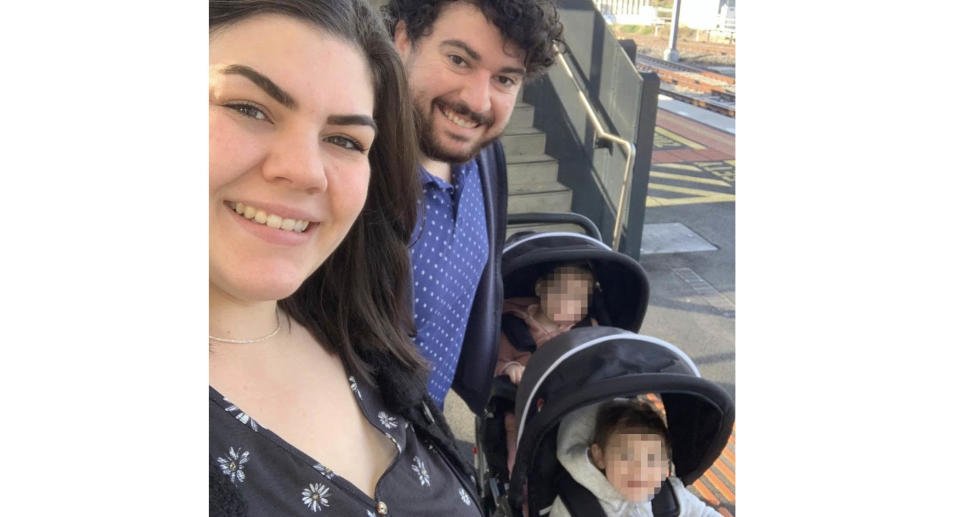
[[583, 368], [624, 462], [562, 301]]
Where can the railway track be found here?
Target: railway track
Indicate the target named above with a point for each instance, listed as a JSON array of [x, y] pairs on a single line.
[[697, 86], [697, 47], [708, 48]]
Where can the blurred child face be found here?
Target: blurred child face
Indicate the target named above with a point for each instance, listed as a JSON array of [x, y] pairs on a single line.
[[636, 464], [565, 295]]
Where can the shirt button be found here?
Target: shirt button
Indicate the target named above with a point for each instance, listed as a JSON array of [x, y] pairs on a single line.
[[381, 508]]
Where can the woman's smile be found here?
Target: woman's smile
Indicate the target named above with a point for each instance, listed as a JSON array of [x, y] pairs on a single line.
[[261, 216], [271, 227]]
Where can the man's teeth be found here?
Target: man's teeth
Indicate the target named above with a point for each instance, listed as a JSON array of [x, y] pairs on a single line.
[[464, 123], [271, 220]]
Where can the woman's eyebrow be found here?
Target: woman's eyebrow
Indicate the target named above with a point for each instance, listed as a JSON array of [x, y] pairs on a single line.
[[263, 82], [352, 120]]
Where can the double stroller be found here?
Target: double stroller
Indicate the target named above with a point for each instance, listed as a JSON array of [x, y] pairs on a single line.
[[586, 366]]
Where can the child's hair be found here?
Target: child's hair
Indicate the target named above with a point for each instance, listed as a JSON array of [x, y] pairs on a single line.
[[632, 416], [551, 270]]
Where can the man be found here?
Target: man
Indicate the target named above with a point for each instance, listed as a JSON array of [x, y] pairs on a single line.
[[466, 61]]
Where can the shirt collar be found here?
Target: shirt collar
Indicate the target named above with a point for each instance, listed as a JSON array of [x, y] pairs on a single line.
[[457, 171]]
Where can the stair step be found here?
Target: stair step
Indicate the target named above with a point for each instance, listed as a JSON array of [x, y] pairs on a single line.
[[524, 169], [544, 197], [522, 116], [523, 141]]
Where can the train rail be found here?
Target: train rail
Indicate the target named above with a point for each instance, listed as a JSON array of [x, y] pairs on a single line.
[[697, 86]]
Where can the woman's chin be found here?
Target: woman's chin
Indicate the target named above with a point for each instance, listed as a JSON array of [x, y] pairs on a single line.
[[261, 289]]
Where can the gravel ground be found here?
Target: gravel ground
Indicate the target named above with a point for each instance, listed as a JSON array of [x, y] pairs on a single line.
[[692, 52]]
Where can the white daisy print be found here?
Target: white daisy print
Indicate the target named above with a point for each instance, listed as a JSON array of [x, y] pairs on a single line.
[[387, 421], [232, 465], [464, 497], [354, 387], [421, 471], [315, 497], [327, 473], [242, 417]]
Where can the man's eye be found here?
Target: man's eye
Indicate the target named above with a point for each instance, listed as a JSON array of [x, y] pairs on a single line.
[[249, 111], [506, 81], [346, 143], [457, 60]]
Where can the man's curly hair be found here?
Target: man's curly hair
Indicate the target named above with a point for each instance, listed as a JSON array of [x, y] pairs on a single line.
[[531, 25]]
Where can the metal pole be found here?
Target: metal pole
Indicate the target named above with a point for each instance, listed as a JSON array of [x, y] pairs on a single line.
[[671, 53]]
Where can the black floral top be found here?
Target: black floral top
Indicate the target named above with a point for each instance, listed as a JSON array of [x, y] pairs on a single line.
[[276, 478]]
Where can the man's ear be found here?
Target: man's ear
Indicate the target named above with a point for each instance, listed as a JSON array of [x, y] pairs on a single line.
[[596, 455], [400, 39]]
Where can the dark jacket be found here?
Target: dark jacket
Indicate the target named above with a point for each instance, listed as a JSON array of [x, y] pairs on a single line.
[[478, 357]]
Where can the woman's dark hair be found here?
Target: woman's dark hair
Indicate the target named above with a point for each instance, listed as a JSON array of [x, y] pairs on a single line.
[[357, 303], [632, 416], [531, 25]]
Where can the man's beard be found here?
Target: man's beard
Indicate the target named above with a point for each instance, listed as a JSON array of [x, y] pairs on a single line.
[[430, 144]]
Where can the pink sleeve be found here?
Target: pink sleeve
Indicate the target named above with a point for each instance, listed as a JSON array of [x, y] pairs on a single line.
[[506, 354]]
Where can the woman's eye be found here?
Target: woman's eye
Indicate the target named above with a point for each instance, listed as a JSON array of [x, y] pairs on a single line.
[[346, 143], [249, 111]]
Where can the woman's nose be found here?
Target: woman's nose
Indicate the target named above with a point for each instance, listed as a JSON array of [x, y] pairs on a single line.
[[296, 159]]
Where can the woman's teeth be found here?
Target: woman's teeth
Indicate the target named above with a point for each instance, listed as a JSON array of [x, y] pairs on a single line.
[[272, 220], [464, 123]]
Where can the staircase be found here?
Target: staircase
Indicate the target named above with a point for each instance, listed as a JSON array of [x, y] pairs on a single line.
[[531, 175]]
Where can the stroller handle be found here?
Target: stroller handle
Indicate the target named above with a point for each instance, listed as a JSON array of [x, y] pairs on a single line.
[[556, 217]]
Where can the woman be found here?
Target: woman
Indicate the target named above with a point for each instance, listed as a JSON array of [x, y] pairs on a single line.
[[317, 395]]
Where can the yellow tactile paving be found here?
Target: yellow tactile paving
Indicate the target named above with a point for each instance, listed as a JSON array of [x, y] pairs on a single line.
[[718, 484]]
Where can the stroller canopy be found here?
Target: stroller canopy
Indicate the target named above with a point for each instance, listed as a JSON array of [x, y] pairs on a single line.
[[620, 301], [593, 364]]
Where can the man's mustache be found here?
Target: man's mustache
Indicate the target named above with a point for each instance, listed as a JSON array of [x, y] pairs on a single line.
[[462, 110]]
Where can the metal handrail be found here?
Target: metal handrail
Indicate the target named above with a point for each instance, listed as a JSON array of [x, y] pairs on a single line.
[[601, 134]]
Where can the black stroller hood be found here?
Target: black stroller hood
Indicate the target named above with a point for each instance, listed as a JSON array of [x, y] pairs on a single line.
[[624, 289], [594, 364]]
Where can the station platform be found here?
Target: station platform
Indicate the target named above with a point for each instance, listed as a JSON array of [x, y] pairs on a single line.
[[688, 252]]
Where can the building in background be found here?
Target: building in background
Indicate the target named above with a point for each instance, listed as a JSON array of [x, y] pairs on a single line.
[[706, 15]]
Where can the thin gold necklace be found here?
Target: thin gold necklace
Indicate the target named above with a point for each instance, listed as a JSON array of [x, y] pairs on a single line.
[[247, 341]]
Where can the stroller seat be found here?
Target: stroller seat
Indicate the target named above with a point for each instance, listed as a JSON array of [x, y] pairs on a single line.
[[620, 297], [591, 365]]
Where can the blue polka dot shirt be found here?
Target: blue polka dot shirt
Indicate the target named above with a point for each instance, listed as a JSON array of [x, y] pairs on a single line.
[[447, 258]]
